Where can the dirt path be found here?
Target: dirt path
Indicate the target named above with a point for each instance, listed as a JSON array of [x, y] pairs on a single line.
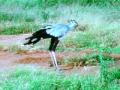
[[40, 59], [12, 39]]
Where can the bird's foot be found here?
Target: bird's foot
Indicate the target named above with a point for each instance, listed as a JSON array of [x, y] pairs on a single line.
[[51, 64], [59, 71]]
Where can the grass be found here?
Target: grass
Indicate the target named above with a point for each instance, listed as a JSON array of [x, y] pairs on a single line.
[[31, 78], [32, 3], [95, 17], [116, 50]]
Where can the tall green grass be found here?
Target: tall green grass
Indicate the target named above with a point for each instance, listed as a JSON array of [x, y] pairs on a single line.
[[31, 78], [32, 3], [99, 19]]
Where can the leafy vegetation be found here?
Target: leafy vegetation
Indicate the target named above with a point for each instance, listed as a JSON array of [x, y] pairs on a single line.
[[31, 78], [32, 3], [96, 18]]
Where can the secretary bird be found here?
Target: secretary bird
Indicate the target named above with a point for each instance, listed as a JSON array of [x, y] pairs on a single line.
[[55, 32]]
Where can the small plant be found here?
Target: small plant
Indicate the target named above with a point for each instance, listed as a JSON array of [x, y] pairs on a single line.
[[78, 59]]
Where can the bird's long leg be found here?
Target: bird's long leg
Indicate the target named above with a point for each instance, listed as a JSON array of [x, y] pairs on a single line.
[[52, 48], [56, 41], [55, 60], [52, 58]]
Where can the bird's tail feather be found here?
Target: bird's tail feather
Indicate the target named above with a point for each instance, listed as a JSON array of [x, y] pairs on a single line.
[[27, 38], [32, 40], [35, 37]]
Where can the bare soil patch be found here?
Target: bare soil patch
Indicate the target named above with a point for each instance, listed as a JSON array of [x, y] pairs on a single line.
[[10, 61]]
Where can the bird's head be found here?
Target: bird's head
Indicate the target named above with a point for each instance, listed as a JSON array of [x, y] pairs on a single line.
[[73, 23]]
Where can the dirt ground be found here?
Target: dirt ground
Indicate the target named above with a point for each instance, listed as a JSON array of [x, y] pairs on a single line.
[[40, 59]]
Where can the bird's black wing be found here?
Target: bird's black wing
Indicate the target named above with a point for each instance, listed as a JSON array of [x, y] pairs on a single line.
[[35, 37]]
